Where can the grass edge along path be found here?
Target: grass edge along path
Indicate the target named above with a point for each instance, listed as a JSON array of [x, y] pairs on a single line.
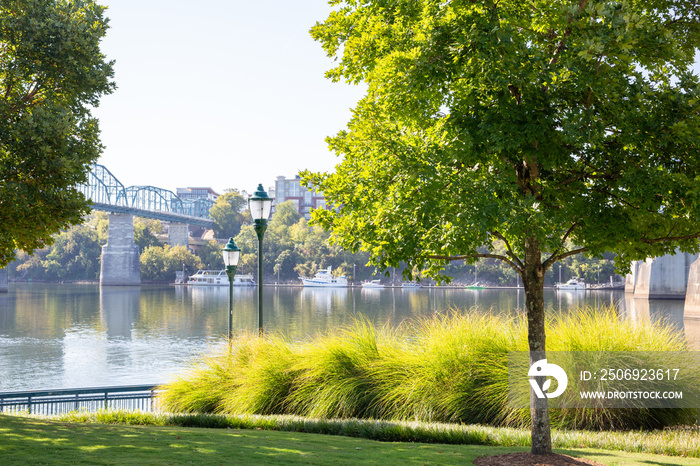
[[677, 442], [31, 440]]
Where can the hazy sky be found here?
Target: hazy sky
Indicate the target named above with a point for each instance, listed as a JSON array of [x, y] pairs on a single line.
[[220, 93]]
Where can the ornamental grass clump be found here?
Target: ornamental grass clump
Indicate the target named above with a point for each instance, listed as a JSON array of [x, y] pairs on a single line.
[[452, 367], [262, 377], [333, 377], [651, 344], [253, 377], [201, 389]]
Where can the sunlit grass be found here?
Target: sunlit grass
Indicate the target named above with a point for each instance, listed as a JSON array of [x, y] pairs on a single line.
[[452, 367], [676, 442]]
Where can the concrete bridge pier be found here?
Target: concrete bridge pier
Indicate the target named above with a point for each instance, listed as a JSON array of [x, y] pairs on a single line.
[[3, 280], [178, 234], [664, 277], [692, 296], [120, 256], [631, 278]]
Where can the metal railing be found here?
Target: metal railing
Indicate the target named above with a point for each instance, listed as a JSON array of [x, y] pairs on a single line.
[[49, 402]]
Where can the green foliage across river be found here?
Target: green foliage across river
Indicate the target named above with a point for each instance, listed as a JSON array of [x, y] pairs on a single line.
[[291, 248]]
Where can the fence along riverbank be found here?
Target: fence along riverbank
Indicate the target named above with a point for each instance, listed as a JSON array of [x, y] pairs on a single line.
[[49, 402]]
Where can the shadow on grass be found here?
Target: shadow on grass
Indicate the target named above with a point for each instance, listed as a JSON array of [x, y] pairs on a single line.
[[36, 441]]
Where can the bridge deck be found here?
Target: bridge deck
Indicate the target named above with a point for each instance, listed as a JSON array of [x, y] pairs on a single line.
[[165, 216]]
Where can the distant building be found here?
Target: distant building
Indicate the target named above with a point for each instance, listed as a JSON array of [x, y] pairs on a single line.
[[291, 189], [197, 193]]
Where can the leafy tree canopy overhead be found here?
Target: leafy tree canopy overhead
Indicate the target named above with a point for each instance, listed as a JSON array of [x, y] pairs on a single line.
[[51, 73], [541, 124], [515, 120]]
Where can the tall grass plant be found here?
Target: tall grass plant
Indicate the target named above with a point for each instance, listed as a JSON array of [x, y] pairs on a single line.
[[452, 367]]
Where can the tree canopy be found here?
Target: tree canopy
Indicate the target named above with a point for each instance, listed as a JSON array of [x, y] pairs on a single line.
[[51, 74], [229, 212], [557, 128]]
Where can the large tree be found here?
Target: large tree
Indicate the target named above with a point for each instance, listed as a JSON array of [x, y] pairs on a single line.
[[229, 212], [555, 127], [51, 74]]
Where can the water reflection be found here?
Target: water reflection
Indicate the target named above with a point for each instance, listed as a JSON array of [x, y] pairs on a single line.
[[668, 311], [119, 309], [692, 333], [54, 336]]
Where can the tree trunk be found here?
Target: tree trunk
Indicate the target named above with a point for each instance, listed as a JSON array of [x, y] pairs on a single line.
[[533, 283]]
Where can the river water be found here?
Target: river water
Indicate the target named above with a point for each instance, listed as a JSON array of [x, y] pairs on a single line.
[[71, 336]]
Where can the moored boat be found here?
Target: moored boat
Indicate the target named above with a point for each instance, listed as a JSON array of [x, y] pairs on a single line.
[[411, 285], [218, 278], [373, 284], [573, 284], [324, 279]]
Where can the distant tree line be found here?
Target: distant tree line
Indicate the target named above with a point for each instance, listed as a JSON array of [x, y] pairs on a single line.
[[290, 249]]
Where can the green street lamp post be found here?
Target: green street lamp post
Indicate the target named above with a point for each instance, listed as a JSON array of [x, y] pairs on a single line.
[[231, 254], [260, 205]]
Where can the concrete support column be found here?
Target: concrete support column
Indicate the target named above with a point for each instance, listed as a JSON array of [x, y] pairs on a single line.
[[692, 296], [120, 256], [631, 278], [3, 280], [178, 234], [664, 277]]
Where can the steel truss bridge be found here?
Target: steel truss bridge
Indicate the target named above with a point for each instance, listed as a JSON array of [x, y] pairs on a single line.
[[108, 194]]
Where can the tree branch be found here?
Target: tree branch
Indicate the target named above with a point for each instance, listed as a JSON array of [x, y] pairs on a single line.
[[562, 42], [8, 88], [32, 92], [559, 257], [472, 256], [553, 257], [511, 254], [670, 238]]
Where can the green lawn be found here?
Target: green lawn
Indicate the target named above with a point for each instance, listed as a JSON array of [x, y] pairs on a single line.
[[36, 441]]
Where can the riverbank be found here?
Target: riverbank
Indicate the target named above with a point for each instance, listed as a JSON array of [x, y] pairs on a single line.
[[399, 287], [299, 285]]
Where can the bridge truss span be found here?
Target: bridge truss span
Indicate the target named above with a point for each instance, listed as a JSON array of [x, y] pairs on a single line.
[[108, 194]]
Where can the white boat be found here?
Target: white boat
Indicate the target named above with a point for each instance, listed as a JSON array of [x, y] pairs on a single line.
[[324, 279], [411, 285], [573, 284], [373, 284], [218, 278]]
